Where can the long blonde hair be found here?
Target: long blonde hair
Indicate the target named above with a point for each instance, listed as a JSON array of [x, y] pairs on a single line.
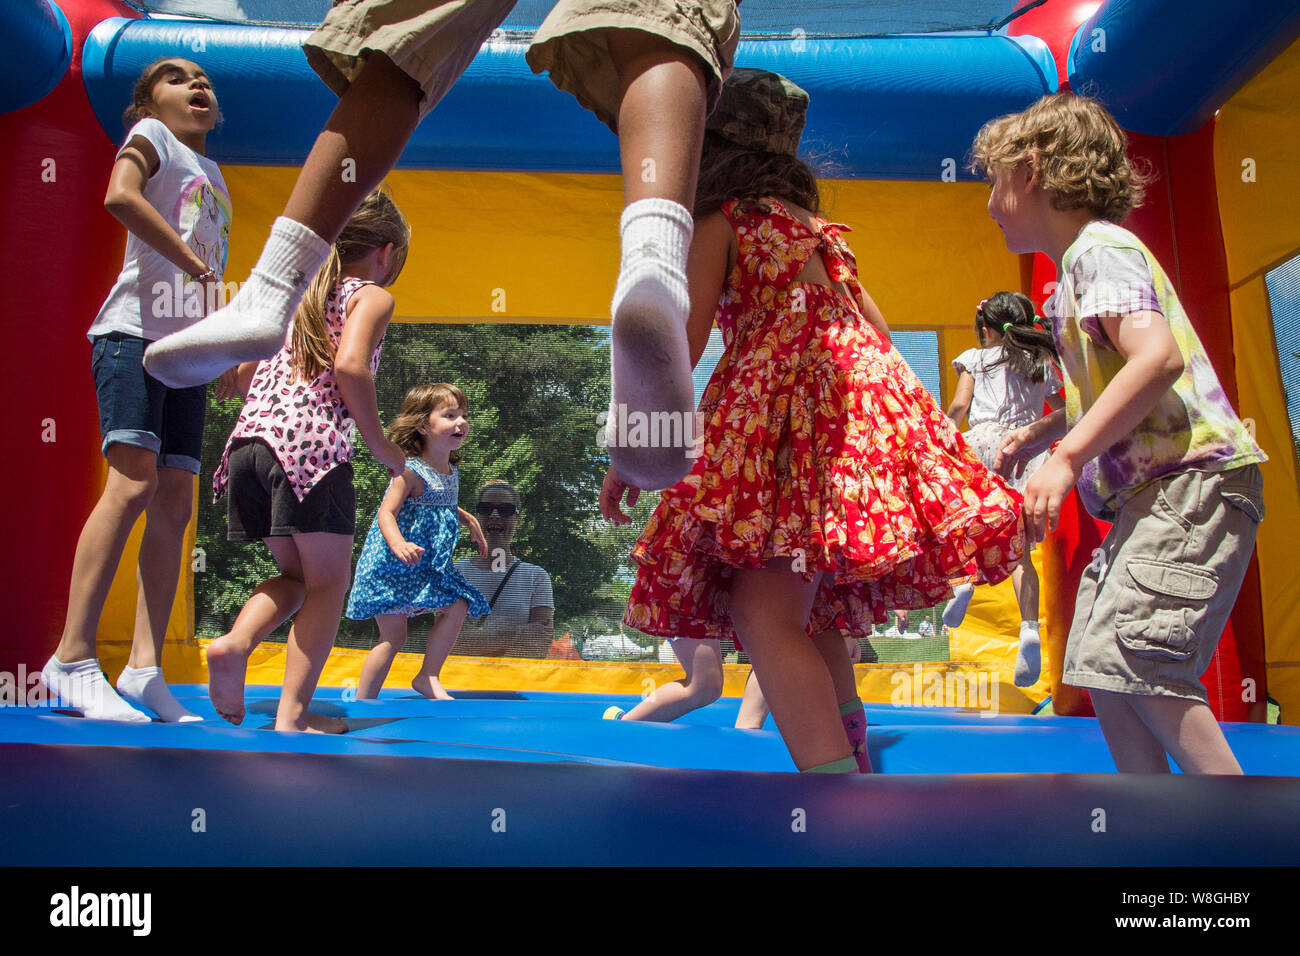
[[376, 223], [421, 402]]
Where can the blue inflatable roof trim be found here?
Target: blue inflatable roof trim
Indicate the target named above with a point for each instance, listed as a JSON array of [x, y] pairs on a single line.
[[760, 17], [882, 108], [39, 49], [1164, 68]]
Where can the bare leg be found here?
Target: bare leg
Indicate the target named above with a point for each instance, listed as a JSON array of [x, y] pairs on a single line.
[[702, 661], [1029, 651], [327, 570], [269, 606], [660, 118], [392, 635], [141, 682], [661, 129], [753, 706], [830, 644], [371, 125], [159, 566], [132, 481], [442, 637], [770, 609], [1024, 579], [1140, 730]]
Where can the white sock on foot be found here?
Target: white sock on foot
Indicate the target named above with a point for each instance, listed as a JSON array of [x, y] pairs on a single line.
[[650, 367], [656, 237], [954, 611], [145, 687], [253, 325], [81, 685], [1029, 655]]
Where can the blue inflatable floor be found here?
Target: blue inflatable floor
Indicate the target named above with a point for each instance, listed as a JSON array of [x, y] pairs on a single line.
[[539, 778]]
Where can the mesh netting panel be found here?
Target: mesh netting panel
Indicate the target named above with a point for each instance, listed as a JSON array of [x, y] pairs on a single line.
[[536, 393], [758, 17]]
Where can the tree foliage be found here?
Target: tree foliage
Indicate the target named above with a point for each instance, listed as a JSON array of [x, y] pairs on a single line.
[[535, 393]]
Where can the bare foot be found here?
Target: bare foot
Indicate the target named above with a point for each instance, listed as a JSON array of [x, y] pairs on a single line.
[[430, 687], [227, 665], [317, 724]]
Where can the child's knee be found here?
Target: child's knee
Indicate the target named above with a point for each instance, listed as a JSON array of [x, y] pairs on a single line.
[[706, 687]]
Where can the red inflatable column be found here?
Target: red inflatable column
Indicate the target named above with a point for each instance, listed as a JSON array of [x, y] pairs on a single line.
[[61, 253]]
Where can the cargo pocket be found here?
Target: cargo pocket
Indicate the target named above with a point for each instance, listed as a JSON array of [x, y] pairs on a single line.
[[1162, 608], [1244, 496]]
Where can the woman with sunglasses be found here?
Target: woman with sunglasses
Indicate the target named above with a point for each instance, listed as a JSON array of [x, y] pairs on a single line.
[[522, 610]]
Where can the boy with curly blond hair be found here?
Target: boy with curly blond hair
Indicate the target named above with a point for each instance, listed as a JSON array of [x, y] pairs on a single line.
[[1150, 439]]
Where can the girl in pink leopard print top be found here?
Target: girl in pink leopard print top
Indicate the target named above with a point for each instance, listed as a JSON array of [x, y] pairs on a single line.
[[287, 466]]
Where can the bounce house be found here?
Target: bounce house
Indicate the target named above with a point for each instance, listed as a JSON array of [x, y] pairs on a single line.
[[1208, 94]]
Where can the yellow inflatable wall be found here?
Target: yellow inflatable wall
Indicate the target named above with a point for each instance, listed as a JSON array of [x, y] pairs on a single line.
[[528, 247], [1257, 160]]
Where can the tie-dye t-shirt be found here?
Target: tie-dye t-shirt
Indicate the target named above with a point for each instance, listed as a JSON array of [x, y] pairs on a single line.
[[1107, 269]]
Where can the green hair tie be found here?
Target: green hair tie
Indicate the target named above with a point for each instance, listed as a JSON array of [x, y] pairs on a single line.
[[1006, 325]]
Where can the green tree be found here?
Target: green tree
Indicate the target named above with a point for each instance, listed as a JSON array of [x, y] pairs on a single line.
[[535, 393]]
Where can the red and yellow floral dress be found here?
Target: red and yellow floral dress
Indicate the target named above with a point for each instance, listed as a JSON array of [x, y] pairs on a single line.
[[821, 446]]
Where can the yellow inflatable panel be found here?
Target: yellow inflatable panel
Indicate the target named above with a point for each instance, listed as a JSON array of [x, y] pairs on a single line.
[[543, 247], [1257, 157]]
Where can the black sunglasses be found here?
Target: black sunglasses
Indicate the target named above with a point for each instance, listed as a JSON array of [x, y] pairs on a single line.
[[504, 509]]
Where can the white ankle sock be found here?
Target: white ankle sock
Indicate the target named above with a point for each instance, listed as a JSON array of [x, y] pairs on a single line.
[[81, 685], [1029, 655], [253, 325], [656, 239], [651, 292], [954, 611], [145, 687]]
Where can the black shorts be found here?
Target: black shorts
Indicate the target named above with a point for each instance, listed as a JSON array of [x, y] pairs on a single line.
[[261, 502]]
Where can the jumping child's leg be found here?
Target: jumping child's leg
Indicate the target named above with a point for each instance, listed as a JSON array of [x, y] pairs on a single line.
[[270, 605], [853, 718], [73, 672], [702, 661], [770, 608], [753, 705], [1024, 579], [158, 571], [327, 571], [442, 637], [1141, 729], [374, 669], [661, 131]]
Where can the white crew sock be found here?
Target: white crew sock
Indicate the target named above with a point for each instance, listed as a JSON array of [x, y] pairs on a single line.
[[81, 685], [1029, 655], [145, 687], [650, 353], [253, 325], [954, 611]]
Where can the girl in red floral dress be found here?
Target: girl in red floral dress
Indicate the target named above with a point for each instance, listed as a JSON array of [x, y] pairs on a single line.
[[829, 487]]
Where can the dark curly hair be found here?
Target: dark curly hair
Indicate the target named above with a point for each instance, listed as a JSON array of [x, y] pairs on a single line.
[[728, 172]]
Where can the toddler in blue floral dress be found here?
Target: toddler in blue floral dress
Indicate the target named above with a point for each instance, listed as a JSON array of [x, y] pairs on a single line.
[[406, 566]]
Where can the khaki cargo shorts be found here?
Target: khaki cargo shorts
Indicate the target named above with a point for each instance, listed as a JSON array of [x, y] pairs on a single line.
[[572, 44], [433, 41], [1153, 603]]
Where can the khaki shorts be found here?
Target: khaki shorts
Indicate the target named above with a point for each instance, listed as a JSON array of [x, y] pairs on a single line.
[[1153, 603], [433, 41], [572, 44]]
